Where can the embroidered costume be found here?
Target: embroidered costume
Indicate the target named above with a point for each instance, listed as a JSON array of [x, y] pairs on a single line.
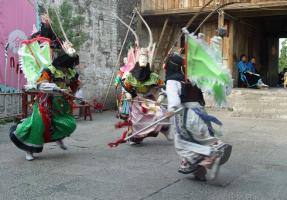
[[143, 87], [51, 119], [195, 139]]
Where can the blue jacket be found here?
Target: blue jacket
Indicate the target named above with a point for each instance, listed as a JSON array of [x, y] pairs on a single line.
[[251, 67], [243, 67]]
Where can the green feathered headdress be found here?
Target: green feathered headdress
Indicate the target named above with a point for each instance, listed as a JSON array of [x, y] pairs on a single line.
[[205, 68], [34, 56]]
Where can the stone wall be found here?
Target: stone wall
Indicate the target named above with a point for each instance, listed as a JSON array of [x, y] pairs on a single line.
[[98, 55], [10, 104], [250, 103]]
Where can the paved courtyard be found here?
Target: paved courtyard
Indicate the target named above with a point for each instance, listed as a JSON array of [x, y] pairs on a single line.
[[90, 170]]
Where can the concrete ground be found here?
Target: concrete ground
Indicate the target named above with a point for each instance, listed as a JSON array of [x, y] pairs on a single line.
[[90, 170]]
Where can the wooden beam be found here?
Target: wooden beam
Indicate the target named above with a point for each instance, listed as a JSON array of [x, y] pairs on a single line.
[[170, 42], [161, 37], [259, 13], [239, 7], [221, 19]]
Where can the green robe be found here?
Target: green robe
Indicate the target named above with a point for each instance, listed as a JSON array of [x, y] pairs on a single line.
[[56, 119]]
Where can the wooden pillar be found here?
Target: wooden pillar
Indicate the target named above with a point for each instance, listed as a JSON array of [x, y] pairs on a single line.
[[224, 52], [221, 19], [273, 54], [160, 40], [230, 52]]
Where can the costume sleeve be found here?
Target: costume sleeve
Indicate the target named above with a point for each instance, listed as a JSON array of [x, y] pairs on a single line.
[[173, 91], [161, 96], [74, 85], [129, 88], [119, 77], [45, 83], [160, 82], [46, 76]]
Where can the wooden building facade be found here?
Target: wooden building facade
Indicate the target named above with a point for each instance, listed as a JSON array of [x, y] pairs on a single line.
[[254, 28]]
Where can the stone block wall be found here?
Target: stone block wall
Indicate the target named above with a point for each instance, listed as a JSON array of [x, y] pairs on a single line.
[[251, 103], [10, 104], [98, 55]]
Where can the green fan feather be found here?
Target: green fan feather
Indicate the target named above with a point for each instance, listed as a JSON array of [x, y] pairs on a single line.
[[34, 57], [206, 71]]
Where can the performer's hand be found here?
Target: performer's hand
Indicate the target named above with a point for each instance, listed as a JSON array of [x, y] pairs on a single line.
[[66, 90], [169, 114]]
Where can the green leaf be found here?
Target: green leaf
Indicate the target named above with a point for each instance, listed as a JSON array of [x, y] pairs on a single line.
[[283, 55], [72, 21]]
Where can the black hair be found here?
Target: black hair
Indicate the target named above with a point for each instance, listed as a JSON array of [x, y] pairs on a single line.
[[65, 60], [243, 55], [174, 68]]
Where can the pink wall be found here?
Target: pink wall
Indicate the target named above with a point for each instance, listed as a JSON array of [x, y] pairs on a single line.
[[16, 22]]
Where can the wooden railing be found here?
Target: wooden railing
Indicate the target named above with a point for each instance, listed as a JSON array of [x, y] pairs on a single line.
[[170, 6], [10, 105], [161, 5]]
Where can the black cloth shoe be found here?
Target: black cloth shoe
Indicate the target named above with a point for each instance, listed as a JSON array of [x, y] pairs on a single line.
[[187, 169], [227, 149]]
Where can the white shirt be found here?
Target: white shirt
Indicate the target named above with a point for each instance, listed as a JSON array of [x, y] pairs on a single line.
[[79, 94], [173, 91]]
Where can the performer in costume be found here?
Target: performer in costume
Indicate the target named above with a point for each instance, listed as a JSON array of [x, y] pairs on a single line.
[[143, 86], [195, 139], [47, 32], [51, 119], [122, 99]]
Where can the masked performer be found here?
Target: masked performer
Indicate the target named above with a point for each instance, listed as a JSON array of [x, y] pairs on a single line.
[[47, 32], [143, 86], [51, 119], [196, 141]]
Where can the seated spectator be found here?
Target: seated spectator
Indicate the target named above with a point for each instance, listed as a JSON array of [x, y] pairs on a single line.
[[281, 76], [79, 95], [252, 65], [247, 77]]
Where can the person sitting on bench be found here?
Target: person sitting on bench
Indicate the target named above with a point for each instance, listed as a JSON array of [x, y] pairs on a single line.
[[247, 77], [252, 65]]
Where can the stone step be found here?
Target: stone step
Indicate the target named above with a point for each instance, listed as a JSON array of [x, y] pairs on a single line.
[[259, 115], [265, 103]]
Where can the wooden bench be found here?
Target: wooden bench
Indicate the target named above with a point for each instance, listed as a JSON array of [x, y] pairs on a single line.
[[85, 108]]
